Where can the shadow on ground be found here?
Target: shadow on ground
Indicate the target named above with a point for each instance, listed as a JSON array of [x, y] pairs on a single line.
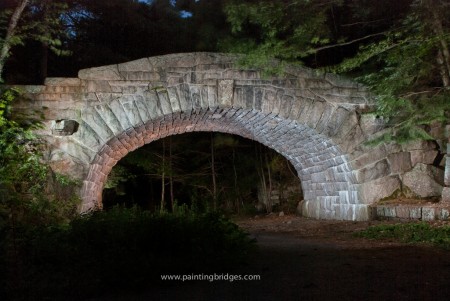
[[296, 265]]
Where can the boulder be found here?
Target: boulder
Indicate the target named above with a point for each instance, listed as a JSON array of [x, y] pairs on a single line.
[[424, 180], [400, 162], [373, 191], [423, 156]]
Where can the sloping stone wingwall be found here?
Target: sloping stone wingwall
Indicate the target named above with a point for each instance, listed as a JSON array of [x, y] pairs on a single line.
[[314, 120]]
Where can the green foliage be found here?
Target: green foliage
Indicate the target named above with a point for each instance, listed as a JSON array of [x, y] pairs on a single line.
[[24, 178], [118, 175], [26, 202], [401, 70], [399, 50], [410, 233], [264, 30], [40, 21], [127, 249], [6, 99]]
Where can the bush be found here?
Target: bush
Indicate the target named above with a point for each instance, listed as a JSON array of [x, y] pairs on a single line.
[[125, 249], [410, 233]]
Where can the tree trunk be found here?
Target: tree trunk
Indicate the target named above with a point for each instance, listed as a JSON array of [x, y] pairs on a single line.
[[269, 174], [163, 175], [236, 188], [213, 174], [261, 172], [443, 49], [4, 52], [172, 198], [44, 62], [442, 69]]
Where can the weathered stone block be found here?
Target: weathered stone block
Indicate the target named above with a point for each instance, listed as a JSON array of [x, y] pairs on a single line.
[[119, 111], [370, 124], [415, 212], [386, 211], [97, 124], [163, 101], [286, 106], [315, 113], [274, 102], [142, 108], [132, 113], [372, 172], [447, 170], [225, 92], [402, 212], [428, 213], [423, 156], [424, 180], [393, 147], [322, 125], [446, 195], [212, 96], [136, 65], [306, 104], [110, 118], [62, 89], [367, 155], [420, 145], [106, 98], [444, 214], [62, 81], [400, 162], [110, 72], [373, 191], [152, 103], [311, 209]]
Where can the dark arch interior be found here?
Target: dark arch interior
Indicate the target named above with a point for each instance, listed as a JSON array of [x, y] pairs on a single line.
[[247, 177]]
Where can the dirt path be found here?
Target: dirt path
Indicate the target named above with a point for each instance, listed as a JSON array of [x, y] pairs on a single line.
[[302, 259]]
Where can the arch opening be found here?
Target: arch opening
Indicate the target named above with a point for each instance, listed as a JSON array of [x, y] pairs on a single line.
[[326, 177], [204, 170]]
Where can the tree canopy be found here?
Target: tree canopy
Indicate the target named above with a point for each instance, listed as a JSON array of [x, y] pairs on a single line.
[[96, 33], [400, 49]]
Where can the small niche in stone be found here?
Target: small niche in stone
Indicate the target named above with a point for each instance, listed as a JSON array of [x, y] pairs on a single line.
[[64, 127]]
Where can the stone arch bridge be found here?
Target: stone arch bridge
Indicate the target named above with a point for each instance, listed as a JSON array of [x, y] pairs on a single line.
[[314, 120]]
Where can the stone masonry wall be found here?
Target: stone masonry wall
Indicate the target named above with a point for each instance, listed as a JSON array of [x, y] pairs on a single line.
[[315, 120]]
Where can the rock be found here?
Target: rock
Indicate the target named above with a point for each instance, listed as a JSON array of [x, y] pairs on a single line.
[[424, 180], [447, 170], [400, 162], [281, 213], [445, 214], [420, 145], [372, 172], [446, 195], [300, 207], [428, 214], [421, 156], [381, 188]]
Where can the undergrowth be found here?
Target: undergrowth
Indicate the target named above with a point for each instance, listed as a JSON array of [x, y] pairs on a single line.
[[421, 232], [123, 249]]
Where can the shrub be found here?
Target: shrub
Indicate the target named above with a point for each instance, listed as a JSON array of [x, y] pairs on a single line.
[[124, 249]]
